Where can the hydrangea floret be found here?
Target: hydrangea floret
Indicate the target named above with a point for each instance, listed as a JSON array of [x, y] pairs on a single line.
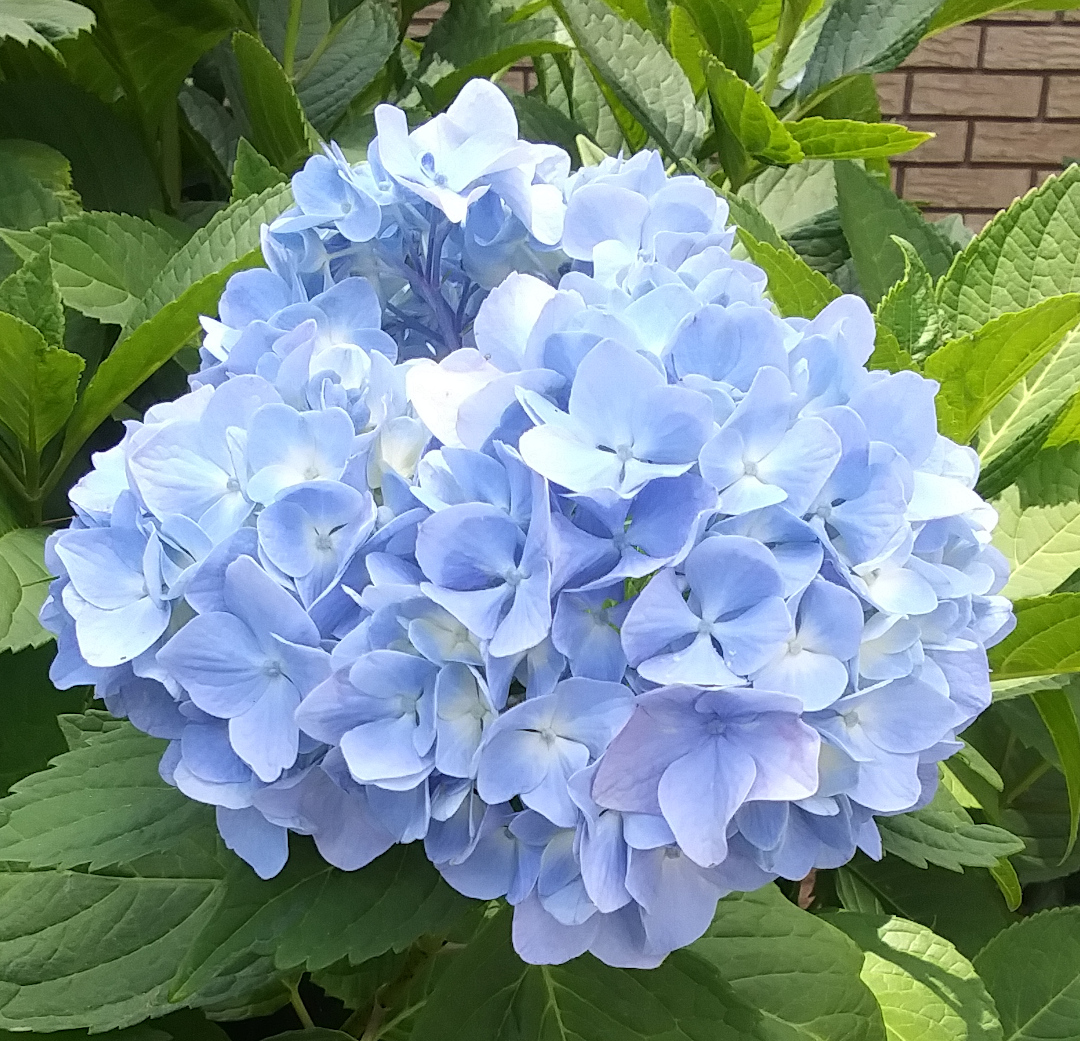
[[505, 514]]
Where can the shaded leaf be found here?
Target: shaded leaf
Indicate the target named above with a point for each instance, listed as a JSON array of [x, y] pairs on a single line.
[[1057, 714], [252, 173], [44, 22]]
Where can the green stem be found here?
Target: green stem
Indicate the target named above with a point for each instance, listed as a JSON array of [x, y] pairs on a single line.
[[1025, 783], [292, 35], [298, 1005], [791, 16]]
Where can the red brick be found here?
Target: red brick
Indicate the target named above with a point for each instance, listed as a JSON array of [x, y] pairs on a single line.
[[1024, 142], [963, 189], [947, 147], [1032, 47], [1063, 101], [954, 49], [974, 94], [890, 89]]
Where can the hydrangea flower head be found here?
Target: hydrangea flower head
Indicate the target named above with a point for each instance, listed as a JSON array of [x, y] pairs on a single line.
[[506, 515]]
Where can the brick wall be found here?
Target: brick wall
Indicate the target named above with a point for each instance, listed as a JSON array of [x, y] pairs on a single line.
[[1003, 97]]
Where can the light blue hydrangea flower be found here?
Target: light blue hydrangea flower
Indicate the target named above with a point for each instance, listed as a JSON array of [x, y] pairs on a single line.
[[507, 515]]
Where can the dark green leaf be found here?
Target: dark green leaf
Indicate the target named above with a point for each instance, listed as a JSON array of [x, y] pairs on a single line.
[[722, 25], [865, 36], [37, 393], [966, 909], [278, 127], [538, 121], [800, 973], [252, 172], [490, 993], [795, 287], [638, 70], [1058, 715], [30, 293], [91, 136], [31, 735], [346, 61], [24, 201], [871, 214], [1032, 972], [820, 242]]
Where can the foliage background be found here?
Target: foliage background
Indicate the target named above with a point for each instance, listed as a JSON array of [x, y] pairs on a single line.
[[142, 145]]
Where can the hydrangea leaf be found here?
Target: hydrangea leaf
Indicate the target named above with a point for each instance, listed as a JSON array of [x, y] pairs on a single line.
[[977, 370], [44, 22], [1059, 717], [490, 993], [850, 139], [47, 166], [966, 908], [1039, 523], [38, 391], [798, 971], [58, 114], [30, 293], [749, 119], [791, 196], [10, 593], [795, 287], [871, 214], [91, 950], [309, 29], [888, 354], [1066, 426], [820, 242], [944, 834], [23, 550], [24, 201], [723, 29], [1032, 971], [745, 214], [1029, 252], [541, 122], [279, 129], [1045, 642], [168, 315], [252, 172], [447, 88], [956, 12], [927, 990], [155, 45], [908, 310], [313, 915], [99, 805], [865, 36], [103, 263], [346, 61], [215, 124], [638, 70]]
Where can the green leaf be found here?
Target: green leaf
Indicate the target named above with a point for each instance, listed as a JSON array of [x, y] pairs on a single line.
[[956, 12], [888, 354], [37, 393], [745, 214], [31, 734], [638, 70], [252, 172], [538, 121], [1039, 524], [748, 117], [24, 201], [141, 1032], [312, 915], [278, 127], [723, 28], [23, 550], [795, 287], [168, 315], [346, 61], [43, 22], [490, 993], [944, 834], [99, 805], [792, 196], [1058, 715], [1029, 252], [1004, 874], [154, 45], [908, 310], [1011, 464], [976, 371], [964, 908], [1066, 427], [871, 215], [30, 293], [849, 139], [799, 972], [215, 124], [865, 36], [1032, 972], [491, 65], [314, 1034], [59, 115], [1045, 642], [927, 990], [103, 263]]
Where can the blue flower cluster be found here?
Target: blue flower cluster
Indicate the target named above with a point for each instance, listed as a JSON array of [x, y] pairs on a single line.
[[505, 514]]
